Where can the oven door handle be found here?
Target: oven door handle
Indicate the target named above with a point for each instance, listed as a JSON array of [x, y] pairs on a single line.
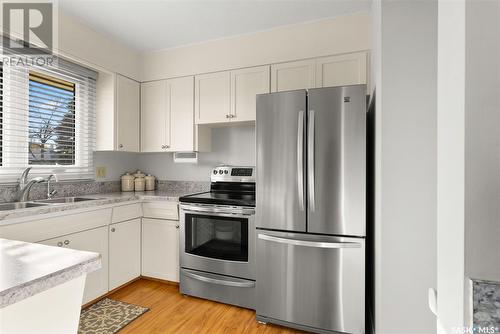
[[226, 282]]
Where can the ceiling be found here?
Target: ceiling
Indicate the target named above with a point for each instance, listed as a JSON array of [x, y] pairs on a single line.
[[148, 25]]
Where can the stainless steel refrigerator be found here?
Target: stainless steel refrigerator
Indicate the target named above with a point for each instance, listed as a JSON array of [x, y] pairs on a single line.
[[310, 212]]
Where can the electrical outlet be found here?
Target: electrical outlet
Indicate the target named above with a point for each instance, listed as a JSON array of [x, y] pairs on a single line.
[[100, 172]]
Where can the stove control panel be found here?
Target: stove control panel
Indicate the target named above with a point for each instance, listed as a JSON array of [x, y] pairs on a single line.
[[233, 174]]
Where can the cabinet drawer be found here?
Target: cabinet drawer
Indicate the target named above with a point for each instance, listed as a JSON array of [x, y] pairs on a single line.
[[43, 229], [126, 212], [161, 210]]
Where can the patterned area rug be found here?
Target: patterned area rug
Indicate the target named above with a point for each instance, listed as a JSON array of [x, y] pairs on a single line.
[[108, 316]]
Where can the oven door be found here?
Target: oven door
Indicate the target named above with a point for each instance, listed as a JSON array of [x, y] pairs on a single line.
[[218, 239]]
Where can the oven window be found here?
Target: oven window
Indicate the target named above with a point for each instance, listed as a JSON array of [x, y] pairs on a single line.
[[224, 238]]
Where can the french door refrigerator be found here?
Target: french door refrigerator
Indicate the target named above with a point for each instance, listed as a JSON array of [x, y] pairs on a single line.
[[310, 212]]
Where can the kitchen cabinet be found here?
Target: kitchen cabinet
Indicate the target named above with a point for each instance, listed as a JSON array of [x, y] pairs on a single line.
[[213, 97], [167, 115], [160, 249], [127, 114], [293, 75], [341, 70], [117, 113], [245, 85], [124, 252], [95, 240], [154, 117], [180, 107]]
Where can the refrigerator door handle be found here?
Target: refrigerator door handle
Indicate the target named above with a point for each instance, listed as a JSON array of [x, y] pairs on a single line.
[[300, 159], [310, 161], [307, 243]]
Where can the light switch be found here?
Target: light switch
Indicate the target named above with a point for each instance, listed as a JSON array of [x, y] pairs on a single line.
[[100, 172]]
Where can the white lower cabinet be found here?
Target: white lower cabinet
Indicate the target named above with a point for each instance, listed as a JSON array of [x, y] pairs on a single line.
[[160, 249], [124, 252], [95, 240]]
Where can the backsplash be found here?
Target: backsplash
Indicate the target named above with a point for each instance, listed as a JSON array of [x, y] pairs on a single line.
[[78, 188], [486, 305]]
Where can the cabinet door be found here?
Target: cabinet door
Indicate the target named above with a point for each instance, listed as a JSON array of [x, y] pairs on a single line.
[[349, 69], [95, 240], [160, 249], [293, 75], [213, 97], [180, 103], [154, 116], [124, 252], [127, 114], [245, 85]]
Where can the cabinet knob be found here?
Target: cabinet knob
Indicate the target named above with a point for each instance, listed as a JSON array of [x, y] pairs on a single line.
[[167, 146], [163, 146], [66, 242], [120, 146], [228, 116], [113, 229], [176, 226], [59, 244]]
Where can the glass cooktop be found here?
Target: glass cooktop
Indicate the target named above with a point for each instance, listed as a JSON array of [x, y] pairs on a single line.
[[221, 198]]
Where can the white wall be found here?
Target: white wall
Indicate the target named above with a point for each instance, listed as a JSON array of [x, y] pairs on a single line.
[[482, 133], [341, 34], [82, 43], [231, 145], [116, 163], [406, 162]]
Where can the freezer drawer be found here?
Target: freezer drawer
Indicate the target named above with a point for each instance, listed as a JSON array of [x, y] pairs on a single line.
[[221, 288], [312, 281]]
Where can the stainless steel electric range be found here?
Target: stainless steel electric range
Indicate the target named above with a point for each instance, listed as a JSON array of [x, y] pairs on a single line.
[[217, 239]]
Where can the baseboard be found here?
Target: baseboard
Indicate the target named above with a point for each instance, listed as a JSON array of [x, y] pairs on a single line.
[[109, 293], [160, 280]]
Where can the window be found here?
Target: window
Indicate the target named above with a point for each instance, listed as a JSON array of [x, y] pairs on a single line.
[[51, 121], [47, 121]]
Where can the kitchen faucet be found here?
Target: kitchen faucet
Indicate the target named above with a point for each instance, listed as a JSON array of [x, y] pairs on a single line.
[[25, 185], [53, 192]]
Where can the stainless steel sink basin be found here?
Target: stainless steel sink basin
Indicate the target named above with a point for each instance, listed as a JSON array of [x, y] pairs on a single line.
[[19, 205], [65, 200]]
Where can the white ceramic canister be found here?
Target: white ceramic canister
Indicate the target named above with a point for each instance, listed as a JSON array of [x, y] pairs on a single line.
[[150, 182], [140, 184], [139, 174], [127, 182]]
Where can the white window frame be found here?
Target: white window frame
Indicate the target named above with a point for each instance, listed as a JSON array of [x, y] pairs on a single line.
[[14, 144]]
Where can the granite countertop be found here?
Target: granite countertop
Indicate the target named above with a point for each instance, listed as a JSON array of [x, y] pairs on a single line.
[[101, 199], [28, 269]]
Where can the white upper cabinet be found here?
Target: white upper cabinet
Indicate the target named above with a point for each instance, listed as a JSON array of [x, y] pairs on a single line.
[[154, 116], [348, 69], [127, 114], [245, 85], [293, 75], [180, 107], [117, 113], [213, 97], [124, 252]]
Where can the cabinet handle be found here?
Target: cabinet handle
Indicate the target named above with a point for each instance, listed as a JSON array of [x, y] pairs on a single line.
[[66, 242], [113, 229], [120, 146], [59, 244]]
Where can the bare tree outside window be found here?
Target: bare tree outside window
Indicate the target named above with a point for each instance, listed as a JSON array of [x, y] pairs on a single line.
[[51, 121]]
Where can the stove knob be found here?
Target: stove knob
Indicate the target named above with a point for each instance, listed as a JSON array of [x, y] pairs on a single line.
[[220, 172], [225, 172], [215, 172]]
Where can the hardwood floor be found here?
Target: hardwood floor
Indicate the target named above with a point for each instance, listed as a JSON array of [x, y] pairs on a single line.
[[171, 312]]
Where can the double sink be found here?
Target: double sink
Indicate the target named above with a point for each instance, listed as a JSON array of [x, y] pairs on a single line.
[[43, 202]]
